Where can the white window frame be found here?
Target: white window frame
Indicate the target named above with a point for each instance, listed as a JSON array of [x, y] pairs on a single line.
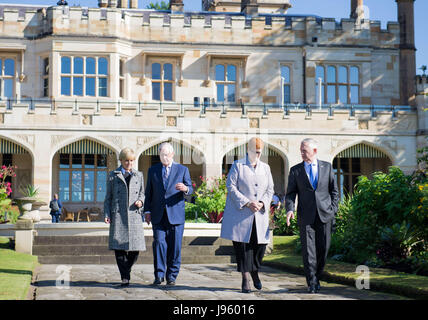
[[3, 77], [162, 62], [83, 75]]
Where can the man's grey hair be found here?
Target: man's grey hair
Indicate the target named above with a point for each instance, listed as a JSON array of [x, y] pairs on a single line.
[[168, 146], [312, 143]]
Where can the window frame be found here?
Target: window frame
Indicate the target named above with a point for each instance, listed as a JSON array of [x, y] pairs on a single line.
[[45, 76], [82, 169], [162, 81], [289, 84], [84, 75], [3, 77], [337, 84], [226, 82]]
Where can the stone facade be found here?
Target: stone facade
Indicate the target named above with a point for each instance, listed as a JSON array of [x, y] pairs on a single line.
[[258, 46]]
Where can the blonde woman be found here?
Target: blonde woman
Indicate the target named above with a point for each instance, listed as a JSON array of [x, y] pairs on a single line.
[[246, 215], [122, 210]]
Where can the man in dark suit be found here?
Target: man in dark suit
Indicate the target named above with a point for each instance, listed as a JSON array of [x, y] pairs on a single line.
[[167, 183], [314, 183]]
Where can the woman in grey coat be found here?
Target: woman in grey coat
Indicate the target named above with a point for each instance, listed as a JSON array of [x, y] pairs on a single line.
[[246, 215], [124, 198]]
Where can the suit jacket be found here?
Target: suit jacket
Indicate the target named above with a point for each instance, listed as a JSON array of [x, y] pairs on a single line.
[[245, 184], [126, 226], [159, 198], [324, 199]]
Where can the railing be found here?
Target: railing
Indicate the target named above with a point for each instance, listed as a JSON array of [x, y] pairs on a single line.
[[75, 104]]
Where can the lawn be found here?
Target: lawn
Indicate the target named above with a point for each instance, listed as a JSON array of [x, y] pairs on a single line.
[[410, 285], [16, 270]]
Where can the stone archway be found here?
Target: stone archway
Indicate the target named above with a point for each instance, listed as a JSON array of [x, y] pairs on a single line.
[[14, 154], [357, 160], [183, 154], [271, 155], [79, 173]]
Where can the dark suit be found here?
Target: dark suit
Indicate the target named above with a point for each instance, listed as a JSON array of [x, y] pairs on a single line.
[[166, 205], [316, 210]]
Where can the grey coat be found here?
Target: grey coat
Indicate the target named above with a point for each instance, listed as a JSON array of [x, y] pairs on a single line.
[[245, 184], [126, 224]]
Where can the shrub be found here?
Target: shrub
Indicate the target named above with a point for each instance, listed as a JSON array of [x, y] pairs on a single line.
[[5, 192], [385, 222], [280, 222]]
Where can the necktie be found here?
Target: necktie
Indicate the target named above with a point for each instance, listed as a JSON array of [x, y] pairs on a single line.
[[165, 176], [312, 178]]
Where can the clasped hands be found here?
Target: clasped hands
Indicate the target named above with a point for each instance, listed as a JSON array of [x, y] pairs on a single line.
[[255, 206]]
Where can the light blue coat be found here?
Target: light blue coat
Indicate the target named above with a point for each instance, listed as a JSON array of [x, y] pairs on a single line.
[[245, 184]]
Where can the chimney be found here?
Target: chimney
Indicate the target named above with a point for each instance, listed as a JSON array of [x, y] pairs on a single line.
[[102, 3], [176, 5], [357, 10], [406, 19]]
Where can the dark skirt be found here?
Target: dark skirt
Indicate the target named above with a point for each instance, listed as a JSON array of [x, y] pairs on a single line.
[[249, 255]]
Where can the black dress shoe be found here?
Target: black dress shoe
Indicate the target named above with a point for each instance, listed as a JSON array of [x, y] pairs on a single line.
[[157, 281], [311, 289], [256, 280], [124, 283], [170, 282]]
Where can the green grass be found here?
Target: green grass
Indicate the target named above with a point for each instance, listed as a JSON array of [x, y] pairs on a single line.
[[16, 270], [385, 280]]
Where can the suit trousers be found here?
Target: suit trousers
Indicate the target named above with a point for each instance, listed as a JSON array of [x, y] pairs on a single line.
[[125, 260], [249, 255], [315, 239], [167, 240]]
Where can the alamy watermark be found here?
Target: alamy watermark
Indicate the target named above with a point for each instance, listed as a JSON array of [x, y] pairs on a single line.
[[363, 281], [63, 280]]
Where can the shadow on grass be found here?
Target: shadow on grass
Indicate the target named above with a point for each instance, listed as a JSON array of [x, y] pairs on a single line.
[[12, 271]]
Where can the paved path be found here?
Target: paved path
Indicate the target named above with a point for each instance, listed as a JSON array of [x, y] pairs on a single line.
[[195, 282]]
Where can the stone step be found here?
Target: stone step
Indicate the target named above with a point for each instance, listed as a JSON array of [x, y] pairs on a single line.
[[142, 259], [73, 250], [103, 240]]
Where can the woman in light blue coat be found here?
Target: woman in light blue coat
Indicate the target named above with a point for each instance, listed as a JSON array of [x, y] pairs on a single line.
[[246, 215]]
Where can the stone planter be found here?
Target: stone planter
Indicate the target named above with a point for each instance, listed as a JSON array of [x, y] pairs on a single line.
[[25, 205], [35, 213]]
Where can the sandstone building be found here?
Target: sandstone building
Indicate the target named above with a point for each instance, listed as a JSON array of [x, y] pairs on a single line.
[[78, 84]]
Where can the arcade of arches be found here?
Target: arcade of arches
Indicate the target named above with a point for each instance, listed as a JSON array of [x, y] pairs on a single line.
[[79, 170]]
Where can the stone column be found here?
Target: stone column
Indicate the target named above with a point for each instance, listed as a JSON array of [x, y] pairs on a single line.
[[405, 10], [42, 168], [134, 4]]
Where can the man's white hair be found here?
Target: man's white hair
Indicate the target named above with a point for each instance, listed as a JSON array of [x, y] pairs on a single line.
[[312, 143], [169, 148]]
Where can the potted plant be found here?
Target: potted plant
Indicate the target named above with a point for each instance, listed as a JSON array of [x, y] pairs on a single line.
[[211, 198]]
